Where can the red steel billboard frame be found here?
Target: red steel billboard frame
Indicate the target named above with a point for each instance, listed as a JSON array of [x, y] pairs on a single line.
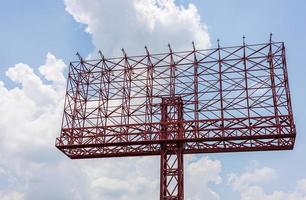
[[225, 99]]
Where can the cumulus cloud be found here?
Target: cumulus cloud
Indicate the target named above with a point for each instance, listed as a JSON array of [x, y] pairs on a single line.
[[200, 173], [132, 24], [249, 185], [30, 119], [30, 109], [256, 176], [54, 73], [128, 178]]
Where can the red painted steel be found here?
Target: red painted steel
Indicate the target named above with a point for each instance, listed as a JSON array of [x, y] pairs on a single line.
[[226, 99], [171, 162]]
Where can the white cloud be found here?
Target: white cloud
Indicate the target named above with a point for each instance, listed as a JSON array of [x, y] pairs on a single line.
[[32, 86], [30, 120], [255, 176], [132, 24], [54, 73], [11, 196], [201, 173], [249, 186], [123, 178], [32, 109]]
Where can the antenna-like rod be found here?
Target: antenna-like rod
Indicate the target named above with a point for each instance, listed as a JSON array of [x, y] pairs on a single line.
[[169, 46], [193, 46], [147, 51], [101, 55], [79, 56], [124, 54], [271, 37]]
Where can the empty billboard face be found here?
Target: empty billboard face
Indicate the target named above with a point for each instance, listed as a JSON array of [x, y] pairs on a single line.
[[230, 99]]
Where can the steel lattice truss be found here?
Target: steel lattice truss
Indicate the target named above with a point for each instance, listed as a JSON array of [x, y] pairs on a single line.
[[233, 99]]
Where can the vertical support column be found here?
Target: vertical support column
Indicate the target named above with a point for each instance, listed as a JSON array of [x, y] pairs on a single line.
[[81, 100], [172, 73], [84, 83], [273, 86], [149, 97], [247, 96], [126, 98], [172, 173], [196, 93], [171, 162], [70, 102], [220, 71], [103, 100], [286, 82]]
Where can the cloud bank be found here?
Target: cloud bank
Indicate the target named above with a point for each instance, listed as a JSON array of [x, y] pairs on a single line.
[[250, 185], [132, 24]]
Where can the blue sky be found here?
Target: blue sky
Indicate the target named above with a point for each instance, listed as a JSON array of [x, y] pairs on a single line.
[[30, 29]]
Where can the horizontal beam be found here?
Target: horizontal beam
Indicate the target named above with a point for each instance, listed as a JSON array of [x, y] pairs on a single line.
[[268, 143], [200, 151], [167, 141]]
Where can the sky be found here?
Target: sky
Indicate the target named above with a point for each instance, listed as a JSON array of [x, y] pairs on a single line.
[[38, 40]]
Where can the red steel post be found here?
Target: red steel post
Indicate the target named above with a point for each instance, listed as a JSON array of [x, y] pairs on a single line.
[[171, 162]]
